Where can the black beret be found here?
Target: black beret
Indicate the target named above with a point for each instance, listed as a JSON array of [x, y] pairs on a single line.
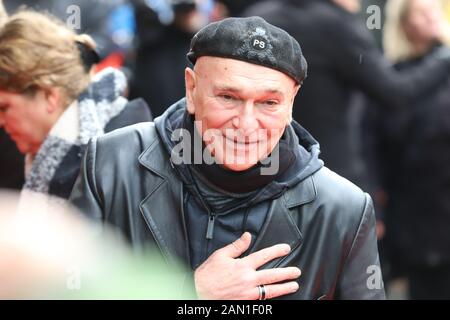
[[252, 40]]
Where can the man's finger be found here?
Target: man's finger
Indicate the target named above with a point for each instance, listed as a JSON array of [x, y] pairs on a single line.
[[261, 257], [275, 290], [276, 275], [238, 247]]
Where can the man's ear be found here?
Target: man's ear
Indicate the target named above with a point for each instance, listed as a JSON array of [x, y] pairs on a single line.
[[294, 93], [296, 88], [189, 78]]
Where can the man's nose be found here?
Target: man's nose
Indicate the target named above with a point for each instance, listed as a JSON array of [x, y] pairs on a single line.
[[247, 121]]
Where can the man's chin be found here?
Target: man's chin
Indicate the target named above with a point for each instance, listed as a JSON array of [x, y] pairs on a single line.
[[238, 162], [238, 166]]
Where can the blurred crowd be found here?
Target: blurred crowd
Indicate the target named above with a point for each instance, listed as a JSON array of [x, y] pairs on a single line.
[[375, 98]]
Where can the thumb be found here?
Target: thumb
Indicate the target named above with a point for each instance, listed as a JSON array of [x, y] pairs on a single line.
[[238, 247]]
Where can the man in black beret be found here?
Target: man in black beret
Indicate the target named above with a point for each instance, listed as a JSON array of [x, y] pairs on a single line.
[[226, 182]]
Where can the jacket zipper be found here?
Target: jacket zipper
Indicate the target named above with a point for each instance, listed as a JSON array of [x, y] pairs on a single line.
[[210, 229], [209, 233]]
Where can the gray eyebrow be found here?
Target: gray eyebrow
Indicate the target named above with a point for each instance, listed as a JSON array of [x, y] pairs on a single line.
[[234, 89]]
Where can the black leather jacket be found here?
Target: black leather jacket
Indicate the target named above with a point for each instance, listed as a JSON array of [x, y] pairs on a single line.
[[127, 180]]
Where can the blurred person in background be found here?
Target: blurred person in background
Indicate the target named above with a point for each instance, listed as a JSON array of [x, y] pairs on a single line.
[[52, 252], [163, 33], [50, 105], [112, 28], [411, 155]]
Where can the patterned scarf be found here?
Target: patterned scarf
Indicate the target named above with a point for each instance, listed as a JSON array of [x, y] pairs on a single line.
[[84, 119]]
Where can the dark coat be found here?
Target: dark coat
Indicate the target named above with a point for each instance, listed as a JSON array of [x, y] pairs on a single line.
[[413, 162], [328, 222], [11, 163], [343, 57], [158, 71]]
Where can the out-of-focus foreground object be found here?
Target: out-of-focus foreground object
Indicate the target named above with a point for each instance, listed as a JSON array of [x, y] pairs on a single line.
[[50, 252]]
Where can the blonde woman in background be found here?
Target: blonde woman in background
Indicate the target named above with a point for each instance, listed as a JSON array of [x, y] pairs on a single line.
[[414, 155], [50, 104], [412, 27]]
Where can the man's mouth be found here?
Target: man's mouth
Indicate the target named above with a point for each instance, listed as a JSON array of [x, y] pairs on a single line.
[[241, 141]]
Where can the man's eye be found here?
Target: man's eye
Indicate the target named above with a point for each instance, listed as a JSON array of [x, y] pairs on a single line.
[[271, 102], [227, 97]]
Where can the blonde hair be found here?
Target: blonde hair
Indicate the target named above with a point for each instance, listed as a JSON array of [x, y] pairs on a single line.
[[37, 51], [396, 45]]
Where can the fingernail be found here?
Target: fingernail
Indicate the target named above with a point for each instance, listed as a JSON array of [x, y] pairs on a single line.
[[286, 248], [297, 272], [294, 286]]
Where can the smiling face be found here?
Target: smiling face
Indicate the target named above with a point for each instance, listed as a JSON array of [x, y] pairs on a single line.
[[28, 118], [241, 109]]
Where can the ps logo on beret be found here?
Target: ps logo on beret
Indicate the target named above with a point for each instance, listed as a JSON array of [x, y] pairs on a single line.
[[257, 46], [259, 39]]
